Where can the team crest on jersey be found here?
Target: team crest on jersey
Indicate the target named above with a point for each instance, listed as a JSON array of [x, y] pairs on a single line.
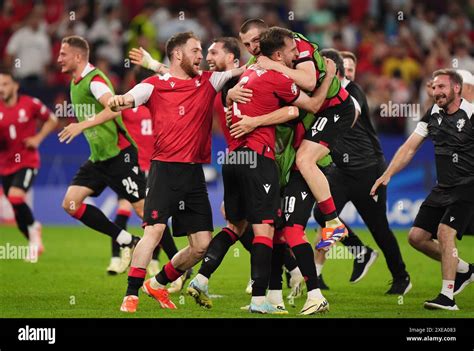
[[439, 120], [198, 83], [172, 84], [460, 124], [22, 116]]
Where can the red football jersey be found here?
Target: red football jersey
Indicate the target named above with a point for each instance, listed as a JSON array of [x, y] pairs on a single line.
[[182, 114], [270, 91], [140, 126], [17, 123], [220, 110]]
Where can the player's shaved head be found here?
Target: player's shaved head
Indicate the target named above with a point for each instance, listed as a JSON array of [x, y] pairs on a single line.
[[177, 41], [337, 58], [79, 43], [253, 23]]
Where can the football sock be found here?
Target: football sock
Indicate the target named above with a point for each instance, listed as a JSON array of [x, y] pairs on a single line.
[[275, 297], [278, 256], [328, 209], [448, 288], [94, 218], [319, 268], [260, 262], [121, 219], [463, 267], [304, 254], [167, 244], [202, 280], [168, 274], [216, 251], [247, 238], [290, 262], [136, 276], [23, 215], [305, 258]]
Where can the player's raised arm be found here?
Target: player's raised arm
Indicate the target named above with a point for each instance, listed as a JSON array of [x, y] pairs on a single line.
[[402, 157], [313, 104], [143, 58], [248, 124]]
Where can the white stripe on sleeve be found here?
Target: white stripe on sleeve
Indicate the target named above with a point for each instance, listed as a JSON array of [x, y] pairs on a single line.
[[218, 79], [141, 93], [98, 89]]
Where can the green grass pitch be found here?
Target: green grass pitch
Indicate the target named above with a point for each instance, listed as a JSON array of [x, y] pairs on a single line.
[[70, 281]]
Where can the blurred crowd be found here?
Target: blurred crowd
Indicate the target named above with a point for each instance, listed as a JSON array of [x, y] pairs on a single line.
[[398, 43]]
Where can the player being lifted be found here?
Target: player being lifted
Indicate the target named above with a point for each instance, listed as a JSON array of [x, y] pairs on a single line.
[[359, 161], [19, 156], [180, 103], [113, 161], [448, 209]]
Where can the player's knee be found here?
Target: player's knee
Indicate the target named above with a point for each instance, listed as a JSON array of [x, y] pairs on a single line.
[[139, 211], [70, 205], [200, 248], [154, 232], [304, 160], [416, 237], [15, 192]]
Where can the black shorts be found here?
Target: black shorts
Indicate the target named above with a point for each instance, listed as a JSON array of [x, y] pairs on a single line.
[[298, 201], [121, 173], [331, 123], [177, 190], [22, 179], [251, 190], [457, 216]]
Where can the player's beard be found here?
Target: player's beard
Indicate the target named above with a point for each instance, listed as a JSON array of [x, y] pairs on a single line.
[[188, 67], [218, 66], [449, 99]]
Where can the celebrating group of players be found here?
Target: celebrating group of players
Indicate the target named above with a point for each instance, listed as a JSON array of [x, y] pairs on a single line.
[[294, 110]]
